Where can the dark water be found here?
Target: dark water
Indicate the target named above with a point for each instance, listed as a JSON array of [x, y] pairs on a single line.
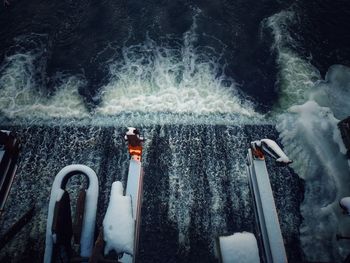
[[195, 186], [322, 29], [82, 36]]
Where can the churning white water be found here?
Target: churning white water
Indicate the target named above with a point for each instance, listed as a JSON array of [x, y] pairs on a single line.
[[296, 75], [147, 78], [22, 97], [151, 84], [307, 114], [152, 78]]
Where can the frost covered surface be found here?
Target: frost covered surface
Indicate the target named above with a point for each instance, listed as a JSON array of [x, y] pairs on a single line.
[[312, 139], [118, 224], [239, 248]]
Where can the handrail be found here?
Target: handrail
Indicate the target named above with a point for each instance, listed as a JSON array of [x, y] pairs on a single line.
[[87, 235], [265, 210]]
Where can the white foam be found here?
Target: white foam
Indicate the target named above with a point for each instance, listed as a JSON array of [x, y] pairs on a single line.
[[179, 212], [148, 78], [20, 95], [334, 91], [153, 78], [296, 75], [311, 138]]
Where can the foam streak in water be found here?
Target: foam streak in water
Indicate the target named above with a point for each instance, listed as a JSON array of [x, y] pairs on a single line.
[[21, 96], [296, 75], [311, 137]]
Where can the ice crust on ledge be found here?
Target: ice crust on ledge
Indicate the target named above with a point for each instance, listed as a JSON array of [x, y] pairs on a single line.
[[239, 248], [118, 224]]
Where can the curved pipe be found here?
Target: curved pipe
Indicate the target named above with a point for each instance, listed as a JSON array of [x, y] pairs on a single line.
[[70, 175], [87, 235], [271, 147]]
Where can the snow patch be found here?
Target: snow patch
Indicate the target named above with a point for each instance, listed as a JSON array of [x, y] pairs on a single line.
[[239, 248], [118, 224]]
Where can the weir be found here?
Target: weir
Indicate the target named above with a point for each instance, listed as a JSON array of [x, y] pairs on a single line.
[[196, 186]]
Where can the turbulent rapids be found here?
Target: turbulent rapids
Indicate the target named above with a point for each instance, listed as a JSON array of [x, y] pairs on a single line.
[[148, 78], [197, 124]]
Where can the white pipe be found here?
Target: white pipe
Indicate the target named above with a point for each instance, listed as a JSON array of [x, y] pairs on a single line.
[[88, 228]]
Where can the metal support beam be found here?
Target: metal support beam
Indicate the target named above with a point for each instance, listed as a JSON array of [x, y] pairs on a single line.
[[265, 210]]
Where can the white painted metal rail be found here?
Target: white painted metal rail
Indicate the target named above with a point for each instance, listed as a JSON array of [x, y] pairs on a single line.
[[265, 209]]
